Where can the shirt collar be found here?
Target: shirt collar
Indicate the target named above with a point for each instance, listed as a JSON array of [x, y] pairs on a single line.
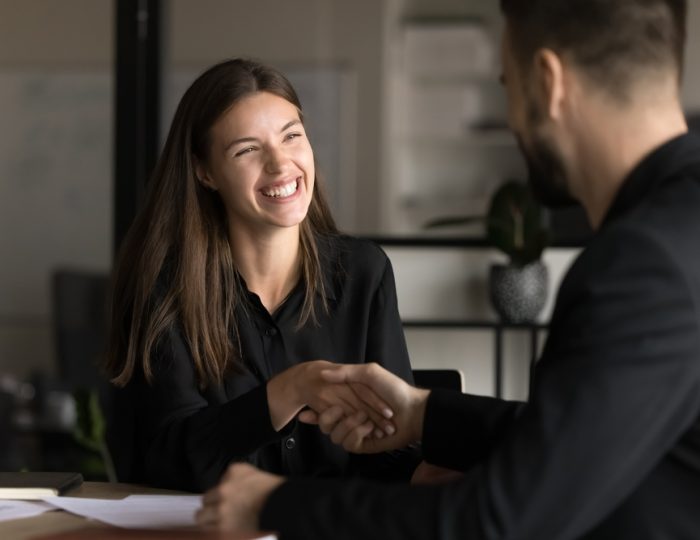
[[331, 269], [655, 168]]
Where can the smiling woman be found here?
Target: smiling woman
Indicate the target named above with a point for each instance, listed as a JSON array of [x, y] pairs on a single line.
[[231, 285], [262, 165]]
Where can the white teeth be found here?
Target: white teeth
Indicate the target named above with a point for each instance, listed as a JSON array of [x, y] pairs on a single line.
[[282, 191]]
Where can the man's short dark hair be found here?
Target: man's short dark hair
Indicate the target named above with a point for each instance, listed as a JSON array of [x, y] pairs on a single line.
[[614, 41]]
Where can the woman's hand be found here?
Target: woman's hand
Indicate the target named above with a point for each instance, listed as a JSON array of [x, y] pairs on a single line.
[[407, 402], [303, 386]]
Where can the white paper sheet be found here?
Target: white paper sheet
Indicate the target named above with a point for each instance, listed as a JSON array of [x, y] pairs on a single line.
[[135, 511], [10, 509]]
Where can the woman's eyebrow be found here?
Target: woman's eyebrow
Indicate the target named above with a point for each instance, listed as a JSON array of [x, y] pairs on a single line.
[[290, 124], [253, 139]]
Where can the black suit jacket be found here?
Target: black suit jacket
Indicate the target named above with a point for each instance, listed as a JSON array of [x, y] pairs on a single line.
[[608, 446]]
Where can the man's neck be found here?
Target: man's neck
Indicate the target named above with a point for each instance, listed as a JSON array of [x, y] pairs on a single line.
[[610, 148]]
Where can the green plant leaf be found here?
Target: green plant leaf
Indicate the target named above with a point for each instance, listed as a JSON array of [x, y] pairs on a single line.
[[449, 221], [514, 223], [90, 433]]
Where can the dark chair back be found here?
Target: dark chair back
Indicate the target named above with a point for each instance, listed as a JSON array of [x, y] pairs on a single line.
[[80, 326], [448, 379]]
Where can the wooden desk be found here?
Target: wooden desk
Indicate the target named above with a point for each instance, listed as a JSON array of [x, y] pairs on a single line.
[[59, 521]]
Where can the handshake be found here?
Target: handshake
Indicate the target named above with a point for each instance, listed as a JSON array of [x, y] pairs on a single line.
[[365, 408]]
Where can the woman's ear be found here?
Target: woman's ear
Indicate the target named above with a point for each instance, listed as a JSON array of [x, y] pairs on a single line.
[[550, 81], [203, 176]]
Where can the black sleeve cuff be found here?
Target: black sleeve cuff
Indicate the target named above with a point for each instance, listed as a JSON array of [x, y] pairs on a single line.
[[249, 419], [461, 429]]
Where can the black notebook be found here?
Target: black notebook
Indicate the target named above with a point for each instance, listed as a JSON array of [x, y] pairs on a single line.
[[36, 485]]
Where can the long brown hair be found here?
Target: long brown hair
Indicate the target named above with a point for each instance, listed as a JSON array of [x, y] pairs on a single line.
[[175, 265]]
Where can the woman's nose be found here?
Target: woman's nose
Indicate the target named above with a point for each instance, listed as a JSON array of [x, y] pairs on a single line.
[[275, 161]]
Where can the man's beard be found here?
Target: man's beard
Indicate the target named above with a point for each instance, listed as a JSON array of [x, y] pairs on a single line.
[[546, 173]]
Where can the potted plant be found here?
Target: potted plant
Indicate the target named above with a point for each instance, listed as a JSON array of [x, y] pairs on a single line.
[[514, 224]]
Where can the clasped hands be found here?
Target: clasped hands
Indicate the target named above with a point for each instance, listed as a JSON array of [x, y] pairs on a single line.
[[359, 428], [364, 408]]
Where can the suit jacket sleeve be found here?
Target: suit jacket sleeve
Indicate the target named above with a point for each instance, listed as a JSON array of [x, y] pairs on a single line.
[[617, 385]]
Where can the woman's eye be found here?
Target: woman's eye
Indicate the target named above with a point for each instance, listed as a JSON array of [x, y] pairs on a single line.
[[290, 136], [243, 151]]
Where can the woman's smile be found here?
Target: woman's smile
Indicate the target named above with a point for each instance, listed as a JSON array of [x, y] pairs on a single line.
[[282, 191]]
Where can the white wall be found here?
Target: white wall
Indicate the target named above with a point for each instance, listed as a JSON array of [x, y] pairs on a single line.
[[451, 284]]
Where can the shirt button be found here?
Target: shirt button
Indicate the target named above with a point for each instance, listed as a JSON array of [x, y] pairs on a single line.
[[270, 332], [290, 443]]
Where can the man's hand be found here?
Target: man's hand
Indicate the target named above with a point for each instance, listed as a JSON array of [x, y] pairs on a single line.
[[303, 385], [355, 434], [235, 504]]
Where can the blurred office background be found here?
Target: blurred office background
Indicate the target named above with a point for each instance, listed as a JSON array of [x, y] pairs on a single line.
[[406, 127]]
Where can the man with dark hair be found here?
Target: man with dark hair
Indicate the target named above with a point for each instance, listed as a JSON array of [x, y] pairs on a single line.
[[608, 446], [611, 41]]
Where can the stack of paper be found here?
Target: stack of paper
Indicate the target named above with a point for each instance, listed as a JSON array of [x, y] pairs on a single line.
[[22, 509], [135, 511]]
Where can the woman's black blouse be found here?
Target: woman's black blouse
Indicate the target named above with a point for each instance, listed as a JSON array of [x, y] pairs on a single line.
[[171, 434]]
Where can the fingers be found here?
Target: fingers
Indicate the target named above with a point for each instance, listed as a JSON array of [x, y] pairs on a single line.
[[344, 373], [207, 516], [343, 428], [212, 510], [357, 439], [333, 414], [236, 502], [343, 396], [340, 396], [372, 375], [308, 416], [329, 418], [337, 424], [373, 406], [354, 433], [372, 389], [346, 431], [212, 497], [367, 395]]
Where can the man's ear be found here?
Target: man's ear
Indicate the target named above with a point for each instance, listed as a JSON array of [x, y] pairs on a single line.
[[550, 80], [203, 176]]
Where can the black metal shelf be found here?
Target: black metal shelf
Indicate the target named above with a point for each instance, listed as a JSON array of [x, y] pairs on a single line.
[[455, 241], [478, 324], [498, 328]]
